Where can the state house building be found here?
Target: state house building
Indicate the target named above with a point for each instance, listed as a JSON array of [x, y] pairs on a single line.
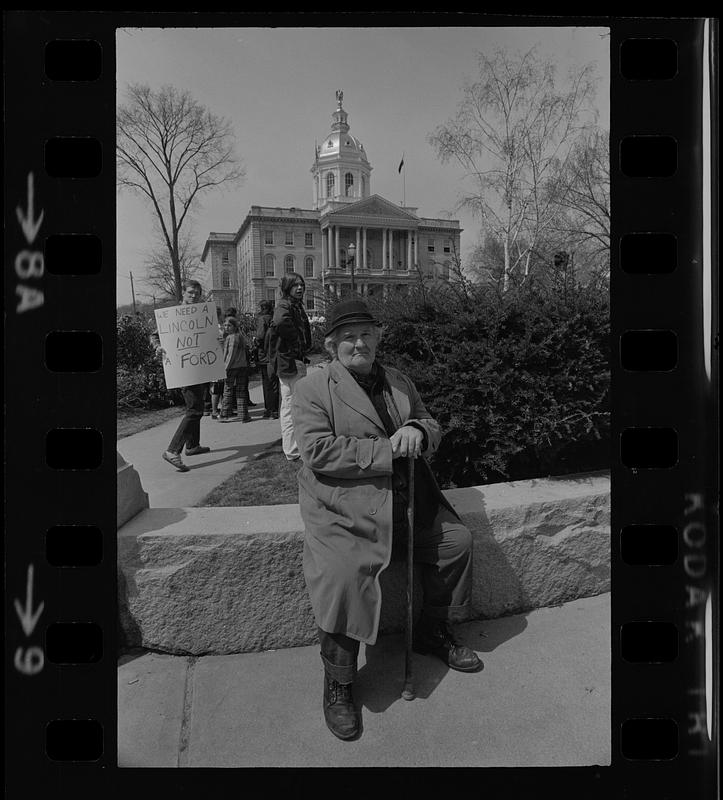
[[391, 244]]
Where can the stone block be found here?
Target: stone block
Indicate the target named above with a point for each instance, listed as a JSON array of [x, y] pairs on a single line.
[[230, 580], [131, 497]]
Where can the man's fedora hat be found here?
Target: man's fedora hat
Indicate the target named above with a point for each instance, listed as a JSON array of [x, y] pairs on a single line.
[[349, 312]]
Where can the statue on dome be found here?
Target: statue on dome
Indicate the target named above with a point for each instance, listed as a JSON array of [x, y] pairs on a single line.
[[339, 97]]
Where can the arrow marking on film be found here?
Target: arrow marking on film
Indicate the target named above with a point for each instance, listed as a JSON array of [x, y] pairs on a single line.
[[27, 619], [29, 225]]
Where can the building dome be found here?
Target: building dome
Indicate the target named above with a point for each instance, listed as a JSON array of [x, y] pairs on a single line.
[[341, 169], [341, 143]]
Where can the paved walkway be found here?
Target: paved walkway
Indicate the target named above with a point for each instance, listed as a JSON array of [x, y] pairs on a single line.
[[543, 699], [232, 445]]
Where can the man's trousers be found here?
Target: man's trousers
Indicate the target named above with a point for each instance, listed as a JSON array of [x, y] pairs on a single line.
[[443, 548], [189, 430]]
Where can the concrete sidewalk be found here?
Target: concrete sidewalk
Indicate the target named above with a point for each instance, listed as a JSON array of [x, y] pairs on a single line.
[[232, 445], [543, 699]]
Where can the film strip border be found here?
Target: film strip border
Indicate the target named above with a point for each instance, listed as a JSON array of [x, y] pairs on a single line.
[[60, 390], [60, 393], [664, 378]]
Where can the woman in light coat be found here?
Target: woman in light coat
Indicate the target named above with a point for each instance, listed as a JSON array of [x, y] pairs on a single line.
[[356, 422]]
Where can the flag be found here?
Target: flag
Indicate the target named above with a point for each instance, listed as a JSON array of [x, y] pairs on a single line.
[[401, 164]]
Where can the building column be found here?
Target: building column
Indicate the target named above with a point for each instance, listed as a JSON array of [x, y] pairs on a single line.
[[337, 254], [409, 249], [364, 248], [357, 260], [384, 248], [324, 253], [416, 247]]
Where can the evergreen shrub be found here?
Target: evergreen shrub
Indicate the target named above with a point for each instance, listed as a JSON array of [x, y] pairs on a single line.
[[140, 383], [519, 381], [317, 336]]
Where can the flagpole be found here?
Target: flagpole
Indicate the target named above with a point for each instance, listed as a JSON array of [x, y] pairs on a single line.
[[403, 169]]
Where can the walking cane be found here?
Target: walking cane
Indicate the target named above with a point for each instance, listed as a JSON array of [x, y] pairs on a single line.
[[408, 691]]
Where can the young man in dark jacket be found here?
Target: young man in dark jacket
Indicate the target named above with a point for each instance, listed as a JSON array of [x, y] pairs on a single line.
[[289, 339], [270, 383]]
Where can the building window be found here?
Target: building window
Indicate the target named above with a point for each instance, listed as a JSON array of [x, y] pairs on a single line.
[[342, 258], [224, 257], [268, 237], [289, 263], [348, 184], [225, 279], [448, 246], [308, 239], [271, 294], [430, 245], [269, 266], [289, 237], [329, 184], [308, 267], [310, 302]]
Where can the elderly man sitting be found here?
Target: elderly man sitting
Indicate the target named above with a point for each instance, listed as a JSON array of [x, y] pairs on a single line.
[[356, 422]]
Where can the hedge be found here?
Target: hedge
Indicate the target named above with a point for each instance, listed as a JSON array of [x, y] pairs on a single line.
[[139, 374], [519, 382]]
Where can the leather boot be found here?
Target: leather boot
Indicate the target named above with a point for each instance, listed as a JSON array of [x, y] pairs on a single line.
[[435, 637], [342, 719]]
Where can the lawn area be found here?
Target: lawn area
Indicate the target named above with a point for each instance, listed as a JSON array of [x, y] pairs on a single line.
[[130, 421], [267, 480]]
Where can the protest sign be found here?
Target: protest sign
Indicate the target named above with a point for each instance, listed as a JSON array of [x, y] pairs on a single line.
[[189, 336]]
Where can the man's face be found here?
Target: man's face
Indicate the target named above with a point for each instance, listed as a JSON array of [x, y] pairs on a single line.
[[191, 294], [297, 290], [357, 346]]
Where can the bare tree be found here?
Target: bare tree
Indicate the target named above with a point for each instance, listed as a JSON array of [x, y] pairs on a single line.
[[450, 269], [513, 133], [160, 275], [170, 149], [585, 192]]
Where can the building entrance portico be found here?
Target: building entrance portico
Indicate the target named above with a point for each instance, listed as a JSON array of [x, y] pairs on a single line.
[[384, 236]]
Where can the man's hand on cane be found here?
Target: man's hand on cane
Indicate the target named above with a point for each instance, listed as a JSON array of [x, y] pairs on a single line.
[[407, 441]]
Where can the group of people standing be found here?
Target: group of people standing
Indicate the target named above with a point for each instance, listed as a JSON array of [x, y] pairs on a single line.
[[280, 343]]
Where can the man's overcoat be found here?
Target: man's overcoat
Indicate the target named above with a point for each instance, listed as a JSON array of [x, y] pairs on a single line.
[[345, 493]]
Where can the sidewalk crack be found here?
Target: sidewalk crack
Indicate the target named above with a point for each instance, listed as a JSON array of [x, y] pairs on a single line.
[[184, 738]]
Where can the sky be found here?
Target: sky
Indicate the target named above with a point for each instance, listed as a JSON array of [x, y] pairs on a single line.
[[277, 87]]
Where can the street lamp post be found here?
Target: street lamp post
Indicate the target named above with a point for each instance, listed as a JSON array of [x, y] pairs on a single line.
[[351, 250]]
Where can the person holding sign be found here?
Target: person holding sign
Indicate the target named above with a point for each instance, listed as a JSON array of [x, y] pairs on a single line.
[[184, 330]]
